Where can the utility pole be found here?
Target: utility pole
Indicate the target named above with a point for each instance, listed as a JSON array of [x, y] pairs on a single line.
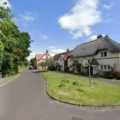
[[89, 75]]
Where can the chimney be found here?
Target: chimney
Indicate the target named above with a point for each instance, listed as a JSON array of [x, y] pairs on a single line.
[[46, 54], [99, 36], [68, 50]]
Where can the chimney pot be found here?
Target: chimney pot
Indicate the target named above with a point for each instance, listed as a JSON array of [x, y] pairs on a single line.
[[99, 36], [67, 50]]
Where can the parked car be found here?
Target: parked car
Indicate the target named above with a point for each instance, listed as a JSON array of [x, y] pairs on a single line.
[[30, 68]]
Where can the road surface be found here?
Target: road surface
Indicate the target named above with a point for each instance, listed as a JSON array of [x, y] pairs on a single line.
[[25, 99]]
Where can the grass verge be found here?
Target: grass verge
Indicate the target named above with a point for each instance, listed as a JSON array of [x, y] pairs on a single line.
[[20, 68], [76, 90]]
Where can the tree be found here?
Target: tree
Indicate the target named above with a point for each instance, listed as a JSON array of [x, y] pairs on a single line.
[[14, 45], [32, 61], [50, 62]]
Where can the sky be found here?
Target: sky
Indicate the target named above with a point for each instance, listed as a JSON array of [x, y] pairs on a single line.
[[60, 24]]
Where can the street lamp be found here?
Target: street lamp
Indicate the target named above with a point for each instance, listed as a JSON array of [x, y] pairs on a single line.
[[89, 64], [93, 63]]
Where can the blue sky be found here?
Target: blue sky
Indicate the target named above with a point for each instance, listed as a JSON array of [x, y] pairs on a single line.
[[60, 24]]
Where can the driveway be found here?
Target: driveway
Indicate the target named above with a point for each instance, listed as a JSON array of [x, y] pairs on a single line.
[[25, 99]]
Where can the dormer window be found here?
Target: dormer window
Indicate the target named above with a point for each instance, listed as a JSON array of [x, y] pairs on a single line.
[[103, 54]]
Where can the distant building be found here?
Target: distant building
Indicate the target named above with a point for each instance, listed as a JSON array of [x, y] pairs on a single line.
[[42, 58], [61, 61]]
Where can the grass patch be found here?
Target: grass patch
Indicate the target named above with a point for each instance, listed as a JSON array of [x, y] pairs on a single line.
[[76, 90], [20, 68]]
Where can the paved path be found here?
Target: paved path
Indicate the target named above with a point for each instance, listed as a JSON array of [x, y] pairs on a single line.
[[25, 99], [116, 82]]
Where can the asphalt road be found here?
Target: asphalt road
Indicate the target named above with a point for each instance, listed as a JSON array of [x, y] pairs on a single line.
[[25, 99]]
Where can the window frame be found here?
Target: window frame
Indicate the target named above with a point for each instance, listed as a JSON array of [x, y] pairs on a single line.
[[105, 67], [102, 54], [109, 67], [105, 54], [101, 67]]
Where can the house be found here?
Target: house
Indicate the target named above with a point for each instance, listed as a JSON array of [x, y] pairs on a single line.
[[61, 60], [103, 53], [41, 58]]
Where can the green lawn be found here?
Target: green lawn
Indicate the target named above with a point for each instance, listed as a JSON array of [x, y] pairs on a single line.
[[74, 89]]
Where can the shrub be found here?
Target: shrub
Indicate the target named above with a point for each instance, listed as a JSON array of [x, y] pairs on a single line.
[[52, 68], [115, 73], [66, 69], [109, 74]]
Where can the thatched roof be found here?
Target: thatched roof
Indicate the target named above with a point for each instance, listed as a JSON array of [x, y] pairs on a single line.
[[93, 47]]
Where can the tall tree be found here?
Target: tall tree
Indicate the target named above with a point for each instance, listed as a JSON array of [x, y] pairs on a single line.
[[14, 45]]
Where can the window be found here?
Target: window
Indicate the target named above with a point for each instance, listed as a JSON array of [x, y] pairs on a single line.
[[109, 67], [105, 54], [101, 54], [105, 67], [101, 66]]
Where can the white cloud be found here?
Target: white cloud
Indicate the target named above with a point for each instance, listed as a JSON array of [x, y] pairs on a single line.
[[94, 37], [81, 18], [53, 50], [44, 36], [8, 3], [28, 16], [106, 6]]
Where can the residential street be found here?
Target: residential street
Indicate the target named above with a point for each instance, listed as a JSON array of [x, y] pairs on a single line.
[[25, 99]]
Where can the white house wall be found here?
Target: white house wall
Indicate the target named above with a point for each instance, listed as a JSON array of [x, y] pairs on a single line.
[[61, 63], [112, 59], [40, 61], [70, 62], [109, 54]]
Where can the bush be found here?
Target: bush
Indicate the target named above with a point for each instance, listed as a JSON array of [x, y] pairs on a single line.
[[109, 74], [52, 68], [85, 71], [66, 69], [71, 71]]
